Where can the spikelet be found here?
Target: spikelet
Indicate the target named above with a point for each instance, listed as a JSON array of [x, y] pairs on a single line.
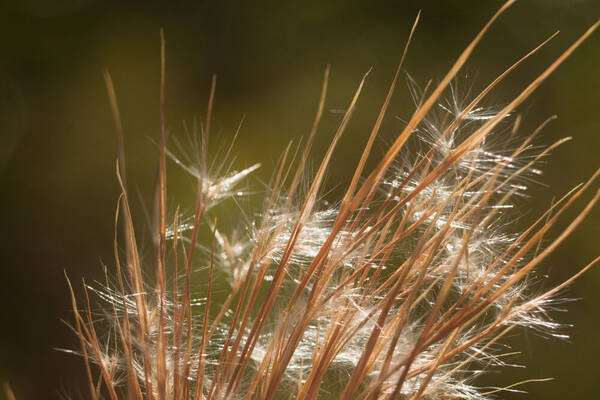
[[403, 289]]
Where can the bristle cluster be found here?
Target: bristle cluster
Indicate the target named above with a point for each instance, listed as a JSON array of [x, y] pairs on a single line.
[[402, 289]]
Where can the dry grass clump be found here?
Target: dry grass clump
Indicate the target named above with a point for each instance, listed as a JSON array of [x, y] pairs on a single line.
[[401, 290]]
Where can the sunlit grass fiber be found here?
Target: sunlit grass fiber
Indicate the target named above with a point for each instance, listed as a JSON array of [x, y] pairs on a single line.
[[402, 289]]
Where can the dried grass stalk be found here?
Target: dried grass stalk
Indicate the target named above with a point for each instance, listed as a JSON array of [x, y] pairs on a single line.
[[401, 290]]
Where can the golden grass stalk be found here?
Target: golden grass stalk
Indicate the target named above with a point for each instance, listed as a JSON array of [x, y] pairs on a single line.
[[399, 291]]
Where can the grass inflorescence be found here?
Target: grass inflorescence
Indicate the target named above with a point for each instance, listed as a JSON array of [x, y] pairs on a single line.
[[402, 289]]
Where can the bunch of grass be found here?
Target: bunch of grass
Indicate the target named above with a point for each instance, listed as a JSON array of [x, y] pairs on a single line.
[[401, 290]]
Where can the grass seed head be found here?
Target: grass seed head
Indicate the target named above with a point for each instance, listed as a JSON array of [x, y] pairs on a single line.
[[403, 289]]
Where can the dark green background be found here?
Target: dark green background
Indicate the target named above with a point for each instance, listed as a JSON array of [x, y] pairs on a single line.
[[57, 151]]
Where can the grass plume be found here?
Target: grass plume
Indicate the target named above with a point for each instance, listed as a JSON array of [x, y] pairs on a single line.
[[401, 290]]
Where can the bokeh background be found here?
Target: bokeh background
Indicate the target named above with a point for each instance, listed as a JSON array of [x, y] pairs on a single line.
[[58, 148]]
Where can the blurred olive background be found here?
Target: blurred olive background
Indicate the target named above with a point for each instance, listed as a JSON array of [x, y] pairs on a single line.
[[58, 148]]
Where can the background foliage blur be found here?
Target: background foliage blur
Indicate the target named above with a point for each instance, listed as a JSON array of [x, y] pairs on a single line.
[[58, 151]]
